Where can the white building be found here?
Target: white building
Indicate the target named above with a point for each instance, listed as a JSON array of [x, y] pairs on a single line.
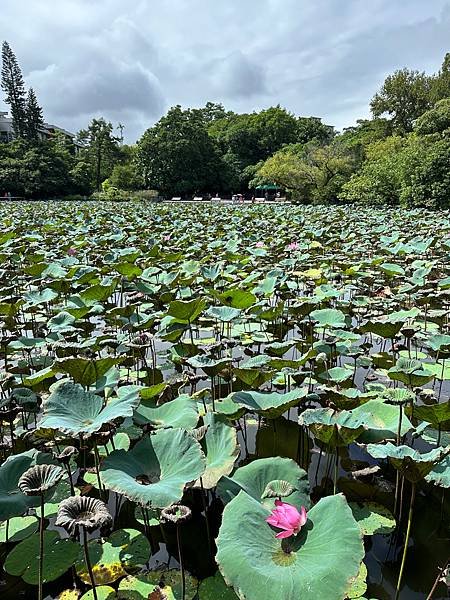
[[7, 133]]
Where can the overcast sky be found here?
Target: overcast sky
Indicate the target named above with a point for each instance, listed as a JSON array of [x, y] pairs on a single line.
[[130, 60]]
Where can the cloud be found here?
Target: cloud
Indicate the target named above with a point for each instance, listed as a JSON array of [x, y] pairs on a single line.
[[129, 62]]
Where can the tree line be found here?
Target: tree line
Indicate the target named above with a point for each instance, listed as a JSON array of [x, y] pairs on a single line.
[[401, 156]]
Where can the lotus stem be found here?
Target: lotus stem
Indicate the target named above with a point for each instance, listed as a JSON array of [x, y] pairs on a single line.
[[180, 560], [87, 560], [437, 580], [208, 532], [399, 431], [408, 530], [336, 465], [41, 548], [7, 531]]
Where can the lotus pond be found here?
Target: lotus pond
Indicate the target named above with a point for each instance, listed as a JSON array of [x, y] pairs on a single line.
[[211, 403]]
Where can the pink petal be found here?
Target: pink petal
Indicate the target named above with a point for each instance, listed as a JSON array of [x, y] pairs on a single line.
[[303, 516], [285, 534], [272, 520]]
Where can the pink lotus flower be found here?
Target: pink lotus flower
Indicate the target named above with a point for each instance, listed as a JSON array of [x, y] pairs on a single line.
[[259, 244], [286, 517], [293, 246], [166, 238], [71, 251]]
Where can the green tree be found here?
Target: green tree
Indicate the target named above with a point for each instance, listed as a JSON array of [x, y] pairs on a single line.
[[405, 96], [34, 117], [312, 128], [380, 179], [436, 120], [312, 172], [440, 86], [100, 150], [14, 87], [178, 156], [41, 170]]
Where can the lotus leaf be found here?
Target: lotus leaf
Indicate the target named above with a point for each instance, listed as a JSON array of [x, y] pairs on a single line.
[[168, 582], [73, 411], [412, 464], [323, 557], [221, 448], [255, 477], [156, 470], [181, 412], [331, 427], [125, 549], [269, 404], [60, 554], [372, 518]]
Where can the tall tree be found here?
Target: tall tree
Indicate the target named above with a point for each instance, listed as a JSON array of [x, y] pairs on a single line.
[[100, 150], [405, 96], [34, 117], [14, 87], [177, 156]]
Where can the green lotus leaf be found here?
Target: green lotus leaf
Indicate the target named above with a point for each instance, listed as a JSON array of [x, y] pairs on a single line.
[[124, 550], [372, 518], [211, 366], [181, 412], [120, 441], [104, 592], [440, 473], [331, 427], [398, 396], [436, 414], [71, 410], [230, 409], [17, 529], [412, 464], [236, 298], [156, 470], [269, 404], [381, 421], [329, 317], [255, 477], [278, 489], [215, 588], [186, 311], [411, 372], [358, 585], [223, 313], [221, 448], [168, 583], [13, 502], [440, 369], [384, 328], [59, 556], [61, 323], [85, 371], [323, 557], [392, 269]]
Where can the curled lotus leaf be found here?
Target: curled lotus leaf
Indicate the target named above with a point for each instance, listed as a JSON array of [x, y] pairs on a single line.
[[156, 470], [398, 396], [437, 415], [412, 464], [440, 473], [381, 421], [269, 404], [221, 448], [254, 478], [410, 371], [83, 512], [39, 479], [279, 488], [13, 502], [319, 562], [331, 427], [71, 410]]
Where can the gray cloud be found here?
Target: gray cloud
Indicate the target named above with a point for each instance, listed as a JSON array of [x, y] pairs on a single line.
[[130, 62]]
